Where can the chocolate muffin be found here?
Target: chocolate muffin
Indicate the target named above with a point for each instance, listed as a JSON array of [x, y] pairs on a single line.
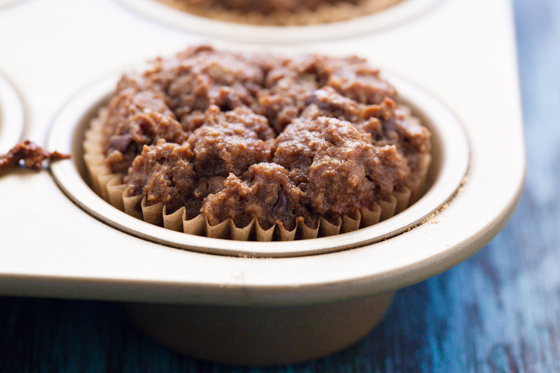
[[263, 139]]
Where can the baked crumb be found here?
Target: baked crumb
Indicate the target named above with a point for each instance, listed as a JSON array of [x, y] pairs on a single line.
[[29, 155]]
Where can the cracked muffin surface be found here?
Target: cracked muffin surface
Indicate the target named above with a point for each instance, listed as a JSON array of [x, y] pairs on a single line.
[[258, 136]]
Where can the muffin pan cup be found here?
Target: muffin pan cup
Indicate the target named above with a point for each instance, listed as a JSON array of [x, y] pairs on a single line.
[[265, 334], [260, 336], [450, 160]]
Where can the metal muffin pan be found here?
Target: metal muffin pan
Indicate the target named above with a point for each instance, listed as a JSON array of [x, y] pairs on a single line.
[[450, 160], [392, 16], [12, 116], [60, 250]]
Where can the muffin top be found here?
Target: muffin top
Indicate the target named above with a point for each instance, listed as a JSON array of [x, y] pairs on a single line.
[[247, 136]]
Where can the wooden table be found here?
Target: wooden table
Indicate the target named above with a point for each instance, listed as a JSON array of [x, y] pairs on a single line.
[[499, 311]]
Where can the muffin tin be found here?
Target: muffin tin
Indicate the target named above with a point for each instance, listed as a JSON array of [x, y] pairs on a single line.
[[63, 250]]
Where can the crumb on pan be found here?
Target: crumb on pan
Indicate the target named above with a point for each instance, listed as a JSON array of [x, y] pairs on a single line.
[[29, 155]]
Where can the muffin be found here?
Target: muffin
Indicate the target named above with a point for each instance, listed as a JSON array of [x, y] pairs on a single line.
[[281, 12], [257, 146]]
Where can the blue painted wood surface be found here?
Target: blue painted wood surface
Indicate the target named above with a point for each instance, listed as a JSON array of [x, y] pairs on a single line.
[[499, 311]]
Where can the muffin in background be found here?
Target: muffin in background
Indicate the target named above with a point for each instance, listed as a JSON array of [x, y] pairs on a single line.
[[281, 12]]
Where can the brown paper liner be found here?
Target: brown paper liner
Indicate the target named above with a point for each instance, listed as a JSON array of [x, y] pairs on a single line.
[[110, 187], [174, 221], [324, 13], [196, 226], [416, 183]]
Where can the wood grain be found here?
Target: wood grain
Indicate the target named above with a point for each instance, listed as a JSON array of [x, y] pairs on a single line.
[[497, 312]]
